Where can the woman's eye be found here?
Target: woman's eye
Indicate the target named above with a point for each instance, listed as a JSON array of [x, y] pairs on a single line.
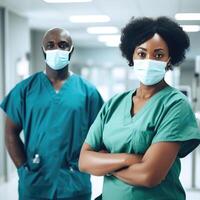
[[142, 54], [159, 55]]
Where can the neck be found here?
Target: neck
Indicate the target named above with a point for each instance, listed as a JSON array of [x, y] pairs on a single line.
[[57, 75], [146, 92]]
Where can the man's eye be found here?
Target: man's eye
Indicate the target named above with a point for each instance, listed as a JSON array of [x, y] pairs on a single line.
[[50, 46], [63, 45]]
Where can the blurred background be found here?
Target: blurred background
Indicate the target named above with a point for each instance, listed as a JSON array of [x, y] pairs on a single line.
[[95, 27]]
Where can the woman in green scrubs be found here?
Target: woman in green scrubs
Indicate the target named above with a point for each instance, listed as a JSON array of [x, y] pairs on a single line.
[[138, 137], [55, 109]]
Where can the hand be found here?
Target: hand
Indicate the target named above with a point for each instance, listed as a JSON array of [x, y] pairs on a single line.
[[133, 159]]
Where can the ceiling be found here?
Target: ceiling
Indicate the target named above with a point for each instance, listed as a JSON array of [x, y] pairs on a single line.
[[43, 16]]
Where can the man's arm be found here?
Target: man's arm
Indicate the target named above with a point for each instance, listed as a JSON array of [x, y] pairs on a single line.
[[101, 163], [14, 144], [154, 166]]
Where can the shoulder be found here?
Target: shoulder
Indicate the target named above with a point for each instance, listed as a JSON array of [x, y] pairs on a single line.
[[175, 93], [118, 98], [172, 96], [84, 85], [175, 102], [27, 83], [113, 103]]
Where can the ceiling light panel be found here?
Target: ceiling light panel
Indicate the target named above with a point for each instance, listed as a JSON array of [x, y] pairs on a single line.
[[191, 28], [102, 30], [89, 18], [109, 38], [67, 1], [187, 16]]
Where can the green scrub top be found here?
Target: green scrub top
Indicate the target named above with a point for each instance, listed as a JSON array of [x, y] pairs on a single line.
[[55, 125], [166, 117]]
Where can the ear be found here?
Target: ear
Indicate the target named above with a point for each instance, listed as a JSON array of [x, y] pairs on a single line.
[[169, 65]]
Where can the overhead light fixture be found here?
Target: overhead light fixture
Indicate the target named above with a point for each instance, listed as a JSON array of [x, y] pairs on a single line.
[[112, 44], [187, 16], [109, 38], [89, 18], [67, 1], [191, 28], [102, 30]]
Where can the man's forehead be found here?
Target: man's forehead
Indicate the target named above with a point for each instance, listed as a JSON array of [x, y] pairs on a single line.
[[57, 34]]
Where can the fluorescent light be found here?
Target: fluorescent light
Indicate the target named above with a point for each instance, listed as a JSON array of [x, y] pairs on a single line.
[[102, 30], [191, 28], [187, 16], [89, 18], [109, 38], [66, 1], [112, 44]]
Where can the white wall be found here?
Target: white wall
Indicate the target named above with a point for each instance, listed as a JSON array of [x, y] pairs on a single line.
[[2, 28], [37, 58], [17, 43]]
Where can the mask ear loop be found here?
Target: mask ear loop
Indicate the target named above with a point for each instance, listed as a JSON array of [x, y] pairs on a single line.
[[169, 65], [44, 52], [70, 51]]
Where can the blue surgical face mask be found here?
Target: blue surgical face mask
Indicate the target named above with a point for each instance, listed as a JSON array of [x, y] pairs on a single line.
[[57, 59], [149, 72]]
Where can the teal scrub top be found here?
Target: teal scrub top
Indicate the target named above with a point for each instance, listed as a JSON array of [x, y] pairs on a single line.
[[55, 126], [166, 117]]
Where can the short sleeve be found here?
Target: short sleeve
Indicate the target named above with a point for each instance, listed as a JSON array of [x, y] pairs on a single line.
[[179, 125], [12, 105], [95, 105], [95, 135]]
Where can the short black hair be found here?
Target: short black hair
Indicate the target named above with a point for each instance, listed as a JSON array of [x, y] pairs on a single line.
[[139, 30]]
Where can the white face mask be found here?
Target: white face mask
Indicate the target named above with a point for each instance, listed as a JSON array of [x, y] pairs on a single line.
[[149, 72], [57, 59]]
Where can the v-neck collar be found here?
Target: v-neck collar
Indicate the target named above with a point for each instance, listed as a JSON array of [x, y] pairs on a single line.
[[50, 87], [128, 105]]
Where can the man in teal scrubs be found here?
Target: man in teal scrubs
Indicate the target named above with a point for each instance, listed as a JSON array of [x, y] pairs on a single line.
[[55, 109]]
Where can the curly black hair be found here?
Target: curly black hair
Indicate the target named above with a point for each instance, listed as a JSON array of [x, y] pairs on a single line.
[[139, 30]]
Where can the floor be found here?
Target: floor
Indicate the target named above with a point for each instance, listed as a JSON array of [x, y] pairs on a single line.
[[8, 191]]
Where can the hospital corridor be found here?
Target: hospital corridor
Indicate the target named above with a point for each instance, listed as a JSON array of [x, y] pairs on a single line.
[[100, 99]]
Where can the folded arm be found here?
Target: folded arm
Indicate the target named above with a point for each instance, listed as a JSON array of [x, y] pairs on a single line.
[[102, 163], [153, 167]]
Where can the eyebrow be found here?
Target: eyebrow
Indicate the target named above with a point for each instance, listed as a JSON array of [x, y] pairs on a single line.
[[141, 48], [50, 42], [63, 41], [159, 49], [59, 41]]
